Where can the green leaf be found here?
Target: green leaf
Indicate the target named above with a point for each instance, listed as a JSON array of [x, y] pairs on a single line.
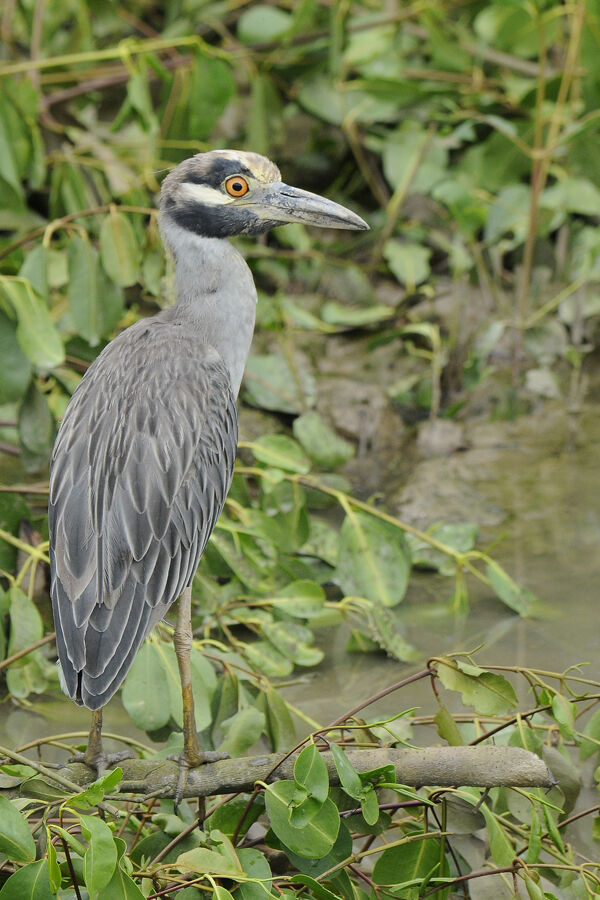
[[211, 88], [340, 851], [54, 873], [29, 883], [509, 213], [552, 829], [311, 772], [489, 693], [227, 817], [370, 807], [267, 659], [36, 332], [576, 195], [410, 145], [255, 866], [270, 384], [100, 859], [521, 600], [321, 442], [374, 559], [24, 675], [313, 840], [145, 693], [317, 889], [409, 262], [202, 860], [590, 744], [302, 599], [564, 713], [355, 317], [119, 249], [263, 23], [293, 640], [13, 510], [413, 860], [501, 849], [349, 777], [281, 452], [95, 792], [36, 426], [280, 724], [15, 372], [35, 269], [447, 727], [16, 841], [120, 885], [242, 731], [95, 302]]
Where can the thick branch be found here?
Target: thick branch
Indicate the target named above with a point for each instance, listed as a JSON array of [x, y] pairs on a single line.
[[435, 766]]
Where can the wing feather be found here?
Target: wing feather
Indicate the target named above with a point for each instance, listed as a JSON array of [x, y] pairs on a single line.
[[140, 471]]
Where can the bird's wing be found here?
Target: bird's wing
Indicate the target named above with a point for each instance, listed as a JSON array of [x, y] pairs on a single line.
[[140, 472]]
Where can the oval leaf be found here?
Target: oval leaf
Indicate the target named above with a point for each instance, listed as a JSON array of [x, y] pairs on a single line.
[[15, 837], [374, 559]]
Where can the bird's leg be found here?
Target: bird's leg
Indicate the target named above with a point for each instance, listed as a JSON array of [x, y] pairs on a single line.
[[193, 754], [94, 756]]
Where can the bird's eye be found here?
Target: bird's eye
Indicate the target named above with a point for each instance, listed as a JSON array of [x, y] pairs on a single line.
[[236, 186]]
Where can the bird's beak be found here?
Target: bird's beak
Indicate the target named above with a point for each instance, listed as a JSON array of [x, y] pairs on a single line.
[[281, 203]]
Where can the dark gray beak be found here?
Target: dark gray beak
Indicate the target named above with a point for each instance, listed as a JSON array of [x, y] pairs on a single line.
[[281, 203]]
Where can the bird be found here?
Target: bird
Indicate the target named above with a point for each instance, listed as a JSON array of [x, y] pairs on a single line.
[[145, 452]]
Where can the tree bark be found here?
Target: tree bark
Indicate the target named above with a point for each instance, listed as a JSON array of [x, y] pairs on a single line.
[[435, 766]]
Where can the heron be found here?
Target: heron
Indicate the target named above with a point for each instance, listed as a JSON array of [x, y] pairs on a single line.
[[144, 456]]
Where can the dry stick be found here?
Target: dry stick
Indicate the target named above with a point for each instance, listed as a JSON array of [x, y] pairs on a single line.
[[15, 656], [489, 766]]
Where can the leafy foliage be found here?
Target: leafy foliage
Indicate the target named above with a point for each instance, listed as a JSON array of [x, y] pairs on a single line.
[[467, 136]]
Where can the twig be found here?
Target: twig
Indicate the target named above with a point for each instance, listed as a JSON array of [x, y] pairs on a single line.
[[20, 653], [71, 786]]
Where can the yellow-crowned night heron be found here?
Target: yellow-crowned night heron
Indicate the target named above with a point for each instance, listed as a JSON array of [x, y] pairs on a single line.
[[145, 452]]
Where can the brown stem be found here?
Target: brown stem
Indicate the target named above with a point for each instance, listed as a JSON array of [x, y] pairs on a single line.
[[20, 653]]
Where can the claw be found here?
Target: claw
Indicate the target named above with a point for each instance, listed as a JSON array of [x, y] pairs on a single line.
[[100, 762], [94, 756], [187, 761]]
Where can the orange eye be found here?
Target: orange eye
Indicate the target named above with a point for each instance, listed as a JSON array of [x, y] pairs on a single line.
[[236, 186]]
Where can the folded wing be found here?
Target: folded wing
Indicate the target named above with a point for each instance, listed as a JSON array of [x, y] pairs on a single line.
[[140, 472]]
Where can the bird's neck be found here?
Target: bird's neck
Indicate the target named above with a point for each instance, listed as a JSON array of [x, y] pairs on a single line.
[[215, 294]]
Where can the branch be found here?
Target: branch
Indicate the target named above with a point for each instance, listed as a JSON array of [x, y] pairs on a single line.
[[436, 766]]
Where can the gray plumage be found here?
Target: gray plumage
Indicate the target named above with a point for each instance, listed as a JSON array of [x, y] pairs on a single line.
[[144, 455], [140, 471]]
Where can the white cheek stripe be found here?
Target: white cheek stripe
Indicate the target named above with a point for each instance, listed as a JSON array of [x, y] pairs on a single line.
[[205, 194]]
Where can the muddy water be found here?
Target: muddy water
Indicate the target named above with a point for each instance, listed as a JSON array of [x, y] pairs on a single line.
[[540, 500]]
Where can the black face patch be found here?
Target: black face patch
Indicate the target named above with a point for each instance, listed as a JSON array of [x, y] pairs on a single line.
[[219, 222], [220, 169]]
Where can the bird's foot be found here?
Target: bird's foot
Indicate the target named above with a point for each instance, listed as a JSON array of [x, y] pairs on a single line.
[[191, 760], [101, 761]]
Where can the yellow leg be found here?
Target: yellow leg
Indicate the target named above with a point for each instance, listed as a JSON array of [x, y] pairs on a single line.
[[193, 754], [192, 749]]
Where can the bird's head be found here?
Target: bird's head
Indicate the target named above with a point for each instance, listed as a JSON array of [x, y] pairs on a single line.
[[227, 192]]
